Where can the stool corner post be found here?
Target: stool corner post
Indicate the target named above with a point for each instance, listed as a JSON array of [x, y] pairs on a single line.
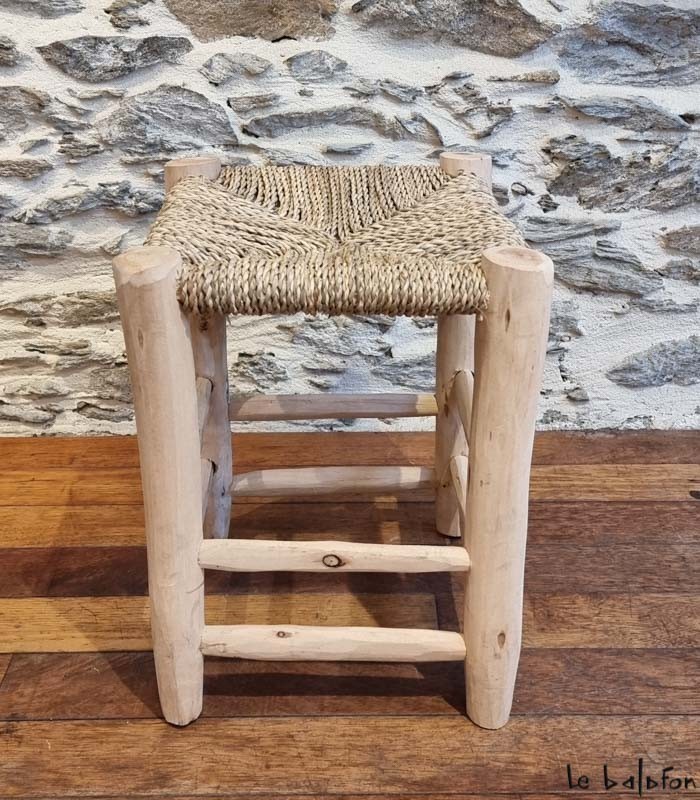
[[161, 366], [510, 348]]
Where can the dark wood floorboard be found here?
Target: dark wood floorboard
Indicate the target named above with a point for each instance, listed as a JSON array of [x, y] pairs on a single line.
[[334, 754], [609, 672], [41, 686], [550, 569]]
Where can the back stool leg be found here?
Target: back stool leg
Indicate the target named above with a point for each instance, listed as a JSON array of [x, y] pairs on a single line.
[[161, 364], [510, 347], [209, 345], [455, 353], [455, 338], [210, 361]]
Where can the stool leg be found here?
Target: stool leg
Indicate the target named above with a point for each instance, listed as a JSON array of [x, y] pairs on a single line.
[[210, 361], [455, 337], [165, 400], [455, 353], [510, 345]]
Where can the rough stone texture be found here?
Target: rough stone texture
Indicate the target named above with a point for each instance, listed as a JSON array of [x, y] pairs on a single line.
[[564, 323], [9, 54], [76, 148], [667, 362], [275, 125], [15, 237], [594, 157], [642, 44], [221, 67], [604, 268], [245, 103], [121, 196], [481, 115], [19, 106], [501, 27], [685, 240], [268, 19], [315, 65], [635, 113], [144, 124], [43, 8], [124, 14], [545, 76], [400, 91], [103, 58], [348, 149], [682, 269], [24, 167], [658, 180]]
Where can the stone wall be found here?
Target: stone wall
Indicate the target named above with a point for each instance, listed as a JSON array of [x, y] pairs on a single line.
[[590, 111]]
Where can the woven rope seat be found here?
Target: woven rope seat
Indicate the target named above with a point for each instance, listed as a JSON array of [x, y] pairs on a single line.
[[403, 240]]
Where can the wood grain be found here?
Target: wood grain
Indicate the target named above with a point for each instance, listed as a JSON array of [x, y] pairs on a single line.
[[121, 623], [310, 449], [323, 755], [4, 665], [609, 673], [550, 569], [601, 523], [381, 520], [624, 621], [607, 482], [573, 620], [123, 686]]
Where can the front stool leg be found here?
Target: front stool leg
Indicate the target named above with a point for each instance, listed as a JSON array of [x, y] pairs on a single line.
[[510, 346], [161, 364]]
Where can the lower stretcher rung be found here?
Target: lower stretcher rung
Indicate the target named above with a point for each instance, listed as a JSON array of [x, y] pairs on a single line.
[[320, 643], [331, 480]]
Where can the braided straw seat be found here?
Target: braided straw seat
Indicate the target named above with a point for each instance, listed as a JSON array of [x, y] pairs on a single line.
[[337, 240]]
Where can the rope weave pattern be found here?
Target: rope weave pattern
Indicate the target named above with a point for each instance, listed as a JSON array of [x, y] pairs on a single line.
[[335, 240]]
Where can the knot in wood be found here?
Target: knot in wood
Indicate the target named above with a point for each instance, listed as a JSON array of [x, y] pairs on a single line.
[[331, 560]]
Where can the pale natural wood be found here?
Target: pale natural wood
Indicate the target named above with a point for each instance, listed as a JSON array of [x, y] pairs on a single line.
[[455, 353], [461, 398], [331, 480], [210, 358], [175, 170], [246, 555], [459, 473], [326, 643], [510, 348], [165, 400], [475, 163], [259, 407], [454, 342], [209, 345], [203, 398]]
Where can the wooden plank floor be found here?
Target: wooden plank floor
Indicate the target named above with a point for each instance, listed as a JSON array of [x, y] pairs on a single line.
[[610, 671]]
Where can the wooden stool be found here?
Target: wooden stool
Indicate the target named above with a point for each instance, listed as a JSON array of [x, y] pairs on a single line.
[[487, 387]]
